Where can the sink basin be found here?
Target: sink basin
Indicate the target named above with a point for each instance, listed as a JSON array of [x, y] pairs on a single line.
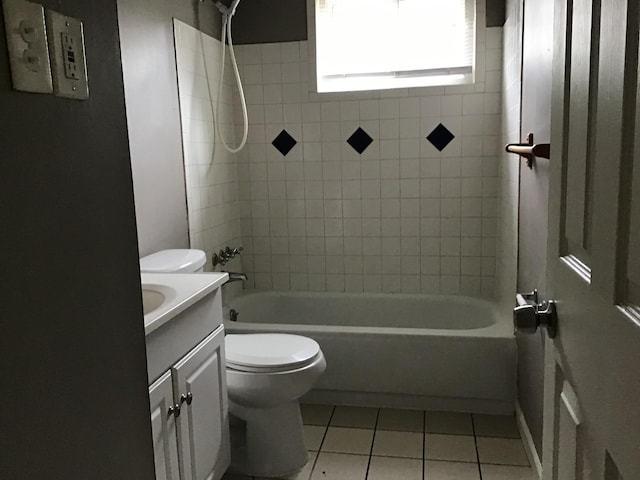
[[155, 296], [151, 299]]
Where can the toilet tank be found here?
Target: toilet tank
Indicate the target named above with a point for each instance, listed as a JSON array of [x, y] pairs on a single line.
[[183, 260]]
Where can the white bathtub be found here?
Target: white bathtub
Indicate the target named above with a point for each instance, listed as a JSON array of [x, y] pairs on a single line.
[[405, 351]]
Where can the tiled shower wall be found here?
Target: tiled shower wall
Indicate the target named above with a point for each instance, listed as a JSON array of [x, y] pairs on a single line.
[[210, 170], [400, 217], [507, 253]]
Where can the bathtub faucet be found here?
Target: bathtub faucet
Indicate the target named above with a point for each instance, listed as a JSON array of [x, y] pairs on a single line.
[[236, 277]]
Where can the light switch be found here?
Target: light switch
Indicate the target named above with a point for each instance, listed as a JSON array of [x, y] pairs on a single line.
[[66, 41], [27, 44]]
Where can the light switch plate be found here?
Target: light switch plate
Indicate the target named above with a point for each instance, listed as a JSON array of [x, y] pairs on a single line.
[[66, 41], [27, 45]]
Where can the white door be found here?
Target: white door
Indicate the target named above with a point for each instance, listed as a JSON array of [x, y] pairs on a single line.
[[592, 368], [203, 429], [163, 428]]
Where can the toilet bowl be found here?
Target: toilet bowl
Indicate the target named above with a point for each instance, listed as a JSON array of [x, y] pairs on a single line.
[[266, 375]]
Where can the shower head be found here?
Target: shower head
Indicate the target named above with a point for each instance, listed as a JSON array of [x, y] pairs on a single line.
[[228, 11]]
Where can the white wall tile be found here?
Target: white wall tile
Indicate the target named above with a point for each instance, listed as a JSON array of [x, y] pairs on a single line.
[[402, 216]]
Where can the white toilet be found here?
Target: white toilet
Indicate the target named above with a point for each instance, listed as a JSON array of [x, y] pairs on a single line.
[[266, 375], [179, 260]]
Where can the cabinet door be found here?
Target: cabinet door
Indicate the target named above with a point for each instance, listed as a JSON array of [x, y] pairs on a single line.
[[163, 427], [199, 382]]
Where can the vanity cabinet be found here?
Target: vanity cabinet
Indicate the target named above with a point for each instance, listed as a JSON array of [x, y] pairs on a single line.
[[189, 415], [187, 376]]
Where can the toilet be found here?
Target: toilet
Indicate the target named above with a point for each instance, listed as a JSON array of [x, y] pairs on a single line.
[[267, 373], [177, 260]]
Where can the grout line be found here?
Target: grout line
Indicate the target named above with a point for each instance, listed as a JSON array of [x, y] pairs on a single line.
[[326, 430], [451, 434], [475, 442], [424, 444], [372, 443], [509, 465]]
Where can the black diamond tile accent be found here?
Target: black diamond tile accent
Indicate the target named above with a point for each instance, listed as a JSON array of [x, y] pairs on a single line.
[[440, 137], [284, 142], [360, 140]]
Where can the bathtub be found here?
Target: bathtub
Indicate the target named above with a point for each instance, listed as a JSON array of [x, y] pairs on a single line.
[[431, 352]]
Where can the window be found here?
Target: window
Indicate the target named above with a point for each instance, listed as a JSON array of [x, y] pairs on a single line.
[[378, 44]]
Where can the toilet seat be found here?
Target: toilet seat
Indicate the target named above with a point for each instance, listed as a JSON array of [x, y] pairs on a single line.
[[269, 352]]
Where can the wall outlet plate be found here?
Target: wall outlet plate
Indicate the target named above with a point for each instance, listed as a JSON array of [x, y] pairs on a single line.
[[27, 45], [66, 41]]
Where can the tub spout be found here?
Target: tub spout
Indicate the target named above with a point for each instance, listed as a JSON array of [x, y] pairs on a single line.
[[236, 277]]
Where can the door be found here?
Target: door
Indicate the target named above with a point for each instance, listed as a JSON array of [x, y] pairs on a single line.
[[163, 428], [592, 368], [203, 428]]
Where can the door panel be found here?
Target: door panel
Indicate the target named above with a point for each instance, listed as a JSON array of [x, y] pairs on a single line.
[[163, 427], [585, 31], [203, 424], [597, 350], [629, 274]]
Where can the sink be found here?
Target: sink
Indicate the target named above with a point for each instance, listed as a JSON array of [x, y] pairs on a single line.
[[166, 295], [151, 299], [155, 296]]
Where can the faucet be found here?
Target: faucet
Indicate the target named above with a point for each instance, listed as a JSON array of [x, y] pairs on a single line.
[[236, 277]]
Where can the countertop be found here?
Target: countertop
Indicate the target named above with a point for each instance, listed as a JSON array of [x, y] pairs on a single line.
[[181, 290]]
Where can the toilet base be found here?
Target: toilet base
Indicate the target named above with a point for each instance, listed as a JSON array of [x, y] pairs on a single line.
[[267, 442]]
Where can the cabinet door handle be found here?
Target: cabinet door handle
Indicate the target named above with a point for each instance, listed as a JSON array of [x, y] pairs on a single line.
[[186, 398], [174, 410]]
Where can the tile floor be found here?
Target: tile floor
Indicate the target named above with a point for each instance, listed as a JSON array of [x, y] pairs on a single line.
[[355, 443]]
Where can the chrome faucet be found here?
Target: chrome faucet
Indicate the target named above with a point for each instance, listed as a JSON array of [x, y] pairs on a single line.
[[223, 256], [236, 277]]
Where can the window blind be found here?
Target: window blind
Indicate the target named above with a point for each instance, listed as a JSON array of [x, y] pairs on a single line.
[[363, 40]]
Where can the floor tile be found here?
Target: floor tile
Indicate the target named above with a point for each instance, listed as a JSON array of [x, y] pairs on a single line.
[[348, 440], [448, 422], [304, 474], [461, 448], [401, 420], [389, 468], [316, 414], [502, 472], [503, 451], [313, 435], [436, 470], [398, 444], [504, 426], [337, 466], [359, 417]]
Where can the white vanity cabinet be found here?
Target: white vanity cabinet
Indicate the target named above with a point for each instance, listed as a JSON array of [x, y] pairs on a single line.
[[188, 394], [189, 415]]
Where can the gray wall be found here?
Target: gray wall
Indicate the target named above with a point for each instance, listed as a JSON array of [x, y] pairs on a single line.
[[266, 21], [151, 90], [72, 353]]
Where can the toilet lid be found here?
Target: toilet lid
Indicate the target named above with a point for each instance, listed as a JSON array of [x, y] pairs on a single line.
[[269, 350], [179, 260]]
